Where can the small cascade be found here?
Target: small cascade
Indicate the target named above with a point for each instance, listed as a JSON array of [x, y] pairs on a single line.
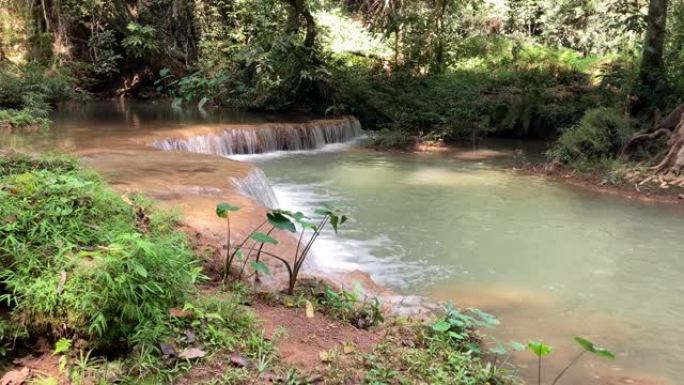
[[257, 186], [271, 138]]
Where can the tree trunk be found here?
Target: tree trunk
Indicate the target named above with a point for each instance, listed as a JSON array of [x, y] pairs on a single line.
[[651, 86], [298, 10]]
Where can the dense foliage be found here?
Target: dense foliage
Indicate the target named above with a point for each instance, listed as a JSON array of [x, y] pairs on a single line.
[[430, 69], [28, 92], [79, 261]]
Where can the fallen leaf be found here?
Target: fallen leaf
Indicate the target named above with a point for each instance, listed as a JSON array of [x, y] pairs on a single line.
[[238, 361], [15, 377], [309, 309], [192, 353]]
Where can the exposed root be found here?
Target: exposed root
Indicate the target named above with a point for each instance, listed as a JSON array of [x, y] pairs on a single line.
[[668, 171]]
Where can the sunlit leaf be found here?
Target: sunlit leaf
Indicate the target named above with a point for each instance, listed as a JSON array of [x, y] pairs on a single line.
[[539, 348], [62, 346]]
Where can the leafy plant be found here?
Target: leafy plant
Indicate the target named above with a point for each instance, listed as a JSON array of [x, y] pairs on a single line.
[[286, 220], [349, 307], [540, 350], [79, 260], [279, 219], [140, 40], [459, 326]]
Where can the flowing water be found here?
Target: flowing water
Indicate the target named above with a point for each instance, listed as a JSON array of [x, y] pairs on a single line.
[[551, 261]]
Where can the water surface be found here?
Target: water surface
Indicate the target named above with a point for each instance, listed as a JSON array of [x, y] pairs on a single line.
[[550, 260]]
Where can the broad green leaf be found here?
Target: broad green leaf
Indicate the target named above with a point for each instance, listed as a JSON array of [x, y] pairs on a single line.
[[222, 209], [441, 326], [264, 238], [260, 267], [585, 344], [280, 221], [590, 347], [539, 348]]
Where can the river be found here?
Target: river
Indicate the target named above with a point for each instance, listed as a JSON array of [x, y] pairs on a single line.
[[551, 261]]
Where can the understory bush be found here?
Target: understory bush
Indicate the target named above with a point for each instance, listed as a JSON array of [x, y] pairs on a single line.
[[27, 93], [599, 136], [509, 98], [80, 261]]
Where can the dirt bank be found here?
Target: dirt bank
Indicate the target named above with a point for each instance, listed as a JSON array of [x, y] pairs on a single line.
[[598, 183]]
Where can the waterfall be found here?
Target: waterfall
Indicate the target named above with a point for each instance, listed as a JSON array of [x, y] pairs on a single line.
[[257, 140], [257, 186]]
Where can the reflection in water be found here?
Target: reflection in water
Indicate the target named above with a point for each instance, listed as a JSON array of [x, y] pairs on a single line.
[[550, 260]]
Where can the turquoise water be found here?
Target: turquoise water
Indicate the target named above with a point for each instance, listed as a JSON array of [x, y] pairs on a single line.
[[550, 260]]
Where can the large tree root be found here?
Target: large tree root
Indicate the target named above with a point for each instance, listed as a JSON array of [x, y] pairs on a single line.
[[668, 171]]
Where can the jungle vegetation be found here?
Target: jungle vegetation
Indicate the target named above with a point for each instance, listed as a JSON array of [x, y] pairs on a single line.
[[429, 69]]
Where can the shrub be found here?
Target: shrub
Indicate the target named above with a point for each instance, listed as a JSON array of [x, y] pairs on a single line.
[[78, 260], [27, 93], [22, 118], [389, 139], [600, 135]]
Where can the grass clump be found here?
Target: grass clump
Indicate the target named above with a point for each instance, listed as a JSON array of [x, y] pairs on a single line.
[[596, 139], [79, 261]]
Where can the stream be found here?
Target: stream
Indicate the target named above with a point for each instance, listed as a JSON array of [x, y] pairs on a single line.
[[551, 261]]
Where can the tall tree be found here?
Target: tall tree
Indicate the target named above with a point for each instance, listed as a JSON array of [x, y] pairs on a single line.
[[652, 86]]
